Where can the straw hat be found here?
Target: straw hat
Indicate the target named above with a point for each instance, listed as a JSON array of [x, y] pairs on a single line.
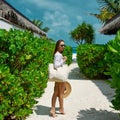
[[68, 89]]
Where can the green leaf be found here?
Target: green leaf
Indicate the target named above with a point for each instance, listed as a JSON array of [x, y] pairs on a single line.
[[2, 32], [112, 49]]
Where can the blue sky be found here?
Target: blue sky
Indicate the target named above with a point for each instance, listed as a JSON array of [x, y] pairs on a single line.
[[62, 16]]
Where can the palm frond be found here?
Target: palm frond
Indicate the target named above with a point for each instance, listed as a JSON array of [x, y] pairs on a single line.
[[110, 5]]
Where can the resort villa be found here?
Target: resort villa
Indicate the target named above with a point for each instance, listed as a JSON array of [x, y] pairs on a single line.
[[12, 18]]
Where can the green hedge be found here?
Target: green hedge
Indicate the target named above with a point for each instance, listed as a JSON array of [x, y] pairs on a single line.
[[24, 63], [112, 58], [90, 60], [23, 72], [68, 52]]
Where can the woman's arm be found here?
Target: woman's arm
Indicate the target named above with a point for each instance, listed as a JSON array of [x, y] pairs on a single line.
[[58, 60]]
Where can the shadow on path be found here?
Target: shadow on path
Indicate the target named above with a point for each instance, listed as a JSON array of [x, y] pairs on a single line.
[[105, 88], [94, 114], [102, 85], [75, 73], [42, 110]]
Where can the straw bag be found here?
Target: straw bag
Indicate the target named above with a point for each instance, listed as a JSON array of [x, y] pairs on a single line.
[[59, 75]]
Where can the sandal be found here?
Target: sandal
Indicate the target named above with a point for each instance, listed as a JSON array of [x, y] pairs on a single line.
[[62, 111], [52, 113]]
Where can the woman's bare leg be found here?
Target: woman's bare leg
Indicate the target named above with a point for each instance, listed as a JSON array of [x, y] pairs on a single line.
[[53, 102], [60, 96]]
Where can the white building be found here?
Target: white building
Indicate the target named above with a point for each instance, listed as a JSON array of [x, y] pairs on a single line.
[[12, 18]]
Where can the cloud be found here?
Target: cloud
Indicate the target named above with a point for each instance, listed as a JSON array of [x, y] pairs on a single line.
[[28, 11], [57, 16], [97, 27], [46, 4], [58, 23], [79, 18]]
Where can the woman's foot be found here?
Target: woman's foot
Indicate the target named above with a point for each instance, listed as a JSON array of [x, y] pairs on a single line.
[[52, 113], [61, 110]]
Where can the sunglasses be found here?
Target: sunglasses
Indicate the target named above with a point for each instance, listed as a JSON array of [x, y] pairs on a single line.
[[62, 45]]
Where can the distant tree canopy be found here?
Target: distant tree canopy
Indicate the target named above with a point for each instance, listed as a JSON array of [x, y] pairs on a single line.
[[108, 8], [39, 23], [83, 33]]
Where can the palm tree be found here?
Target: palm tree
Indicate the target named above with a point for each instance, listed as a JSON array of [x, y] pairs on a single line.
[[76, 36], [83, 33], [40, 25], [90, 35], [108, 8]]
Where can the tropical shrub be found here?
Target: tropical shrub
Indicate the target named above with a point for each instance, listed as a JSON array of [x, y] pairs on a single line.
[[68, 52], [24, 63], [112, 58], [90, 58]]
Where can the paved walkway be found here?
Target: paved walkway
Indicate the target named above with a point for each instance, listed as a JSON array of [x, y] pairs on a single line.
[[89, 100]]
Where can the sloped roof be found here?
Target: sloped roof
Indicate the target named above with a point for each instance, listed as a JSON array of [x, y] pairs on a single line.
[[20, 19], [111, 26]]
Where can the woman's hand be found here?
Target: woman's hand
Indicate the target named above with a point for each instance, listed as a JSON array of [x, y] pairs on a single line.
[[55, 68], [64, 58]]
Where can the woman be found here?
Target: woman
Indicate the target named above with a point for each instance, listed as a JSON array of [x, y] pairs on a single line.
[[59, 88]]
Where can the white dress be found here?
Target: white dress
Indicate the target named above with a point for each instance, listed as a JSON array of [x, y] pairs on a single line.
[[58, 60]]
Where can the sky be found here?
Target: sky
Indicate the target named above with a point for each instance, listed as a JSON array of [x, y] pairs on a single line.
[[62, 16]]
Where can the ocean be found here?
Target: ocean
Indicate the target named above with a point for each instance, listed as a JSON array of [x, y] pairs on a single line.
[[74, 50]]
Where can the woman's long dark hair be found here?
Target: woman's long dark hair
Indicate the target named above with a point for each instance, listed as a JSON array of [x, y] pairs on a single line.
[[57, 45]]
